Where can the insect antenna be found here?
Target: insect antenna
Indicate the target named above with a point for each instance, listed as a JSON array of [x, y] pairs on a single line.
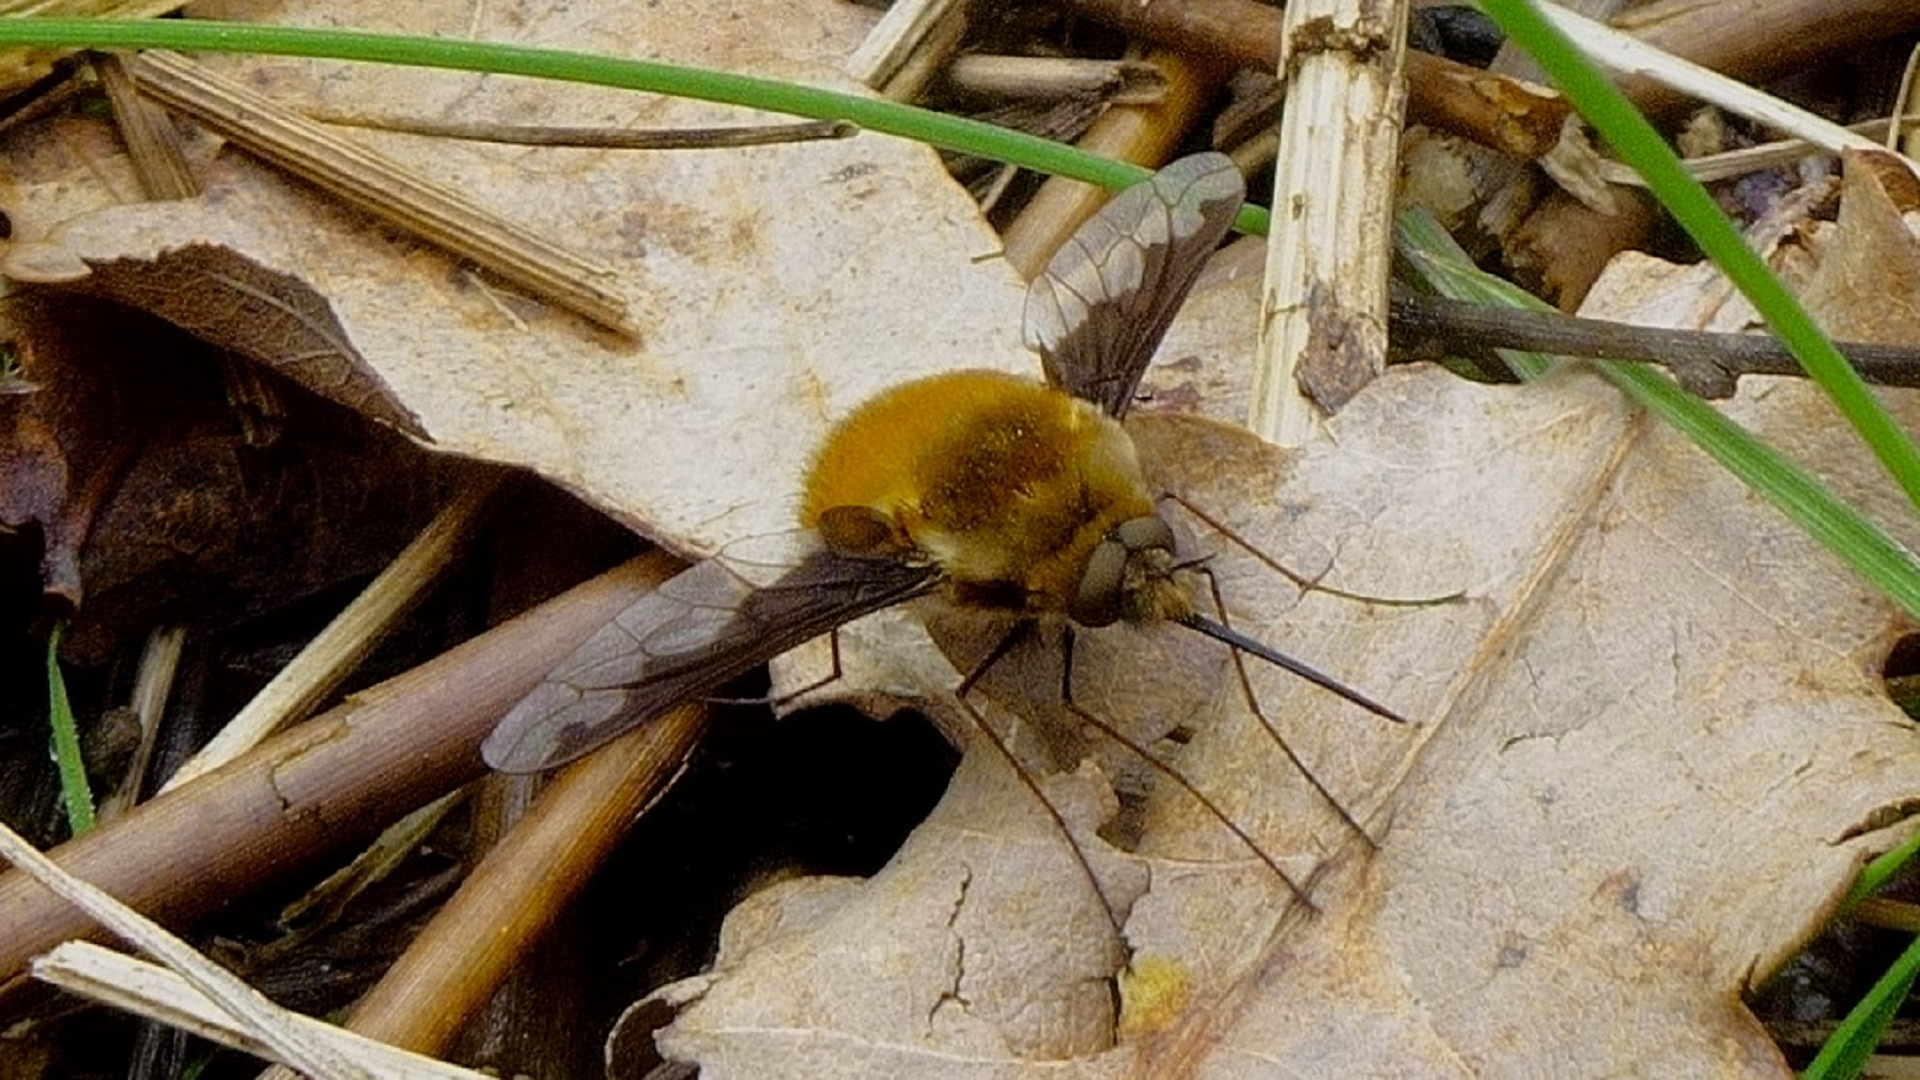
[[1300, 581], [1242, 645], [1227, 635]]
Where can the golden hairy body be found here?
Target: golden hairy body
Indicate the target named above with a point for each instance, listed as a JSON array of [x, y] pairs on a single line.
[[998, 491], [1006, 484]]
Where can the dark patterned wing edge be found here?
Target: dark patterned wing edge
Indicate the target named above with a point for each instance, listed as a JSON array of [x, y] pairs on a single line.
[[699, 630], [1096, 315]]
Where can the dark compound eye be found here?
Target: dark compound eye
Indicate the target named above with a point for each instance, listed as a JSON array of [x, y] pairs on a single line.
[[1102, 594], [1097, 603], [1145, 534]]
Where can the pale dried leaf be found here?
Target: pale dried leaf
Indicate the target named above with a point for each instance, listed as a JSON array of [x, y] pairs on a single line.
[[748, 270], [1869, 282], [1652, 741], [1008, 965], [1653, 748]]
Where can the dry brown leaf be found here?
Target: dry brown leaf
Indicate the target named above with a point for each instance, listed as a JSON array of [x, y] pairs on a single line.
[[766, 281], [1653, 749], [37, 453], [154, 505], [1868, 285], [230, 301], [1652, 740]]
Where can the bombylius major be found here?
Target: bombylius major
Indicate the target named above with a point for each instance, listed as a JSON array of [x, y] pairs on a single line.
[[992, 490]]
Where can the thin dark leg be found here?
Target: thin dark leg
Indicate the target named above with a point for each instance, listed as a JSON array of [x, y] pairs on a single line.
[[994, 656], [1299, 890]]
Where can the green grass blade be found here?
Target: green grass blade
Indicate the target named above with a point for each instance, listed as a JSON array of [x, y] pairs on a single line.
[[1880, 871], [887, 117], [1854, 1041], [1640, 146], [1890, 567], [66, 743]]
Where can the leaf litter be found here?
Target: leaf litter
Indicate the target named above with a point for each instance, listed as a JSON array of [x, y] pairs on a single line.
[[1652, 745], [1653, 749]]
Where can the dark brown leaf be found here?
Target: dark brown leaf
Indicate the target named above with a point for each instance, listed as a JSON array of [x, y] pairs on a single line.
[[231, 301]]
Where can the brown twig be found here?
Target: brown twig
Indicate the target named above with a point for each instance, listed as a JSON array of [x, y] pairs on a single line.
[[1502, 113], [372, 182], [598, 138], [1705, 363], [517, 891], [320, 788], [1141, 133]]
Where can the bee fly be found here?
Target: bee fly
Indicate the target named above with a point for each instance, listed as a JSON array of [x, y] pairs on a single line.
[[991, 490]]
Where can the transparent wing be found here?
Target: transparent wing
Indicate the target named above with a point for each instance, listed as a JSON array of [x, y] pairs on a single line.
[[1096, 315], [702, 628]]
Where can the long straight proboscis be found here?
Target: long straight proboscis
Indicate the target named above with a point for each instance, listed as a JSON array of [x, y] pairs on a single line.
[[1227, 635]]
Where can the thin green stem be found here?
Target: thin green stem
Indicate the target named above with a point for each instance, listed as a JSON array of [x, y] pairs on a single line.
[[66, 742], [1854, 1041], [1436, 260], [1639, 145], [891, 118]]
